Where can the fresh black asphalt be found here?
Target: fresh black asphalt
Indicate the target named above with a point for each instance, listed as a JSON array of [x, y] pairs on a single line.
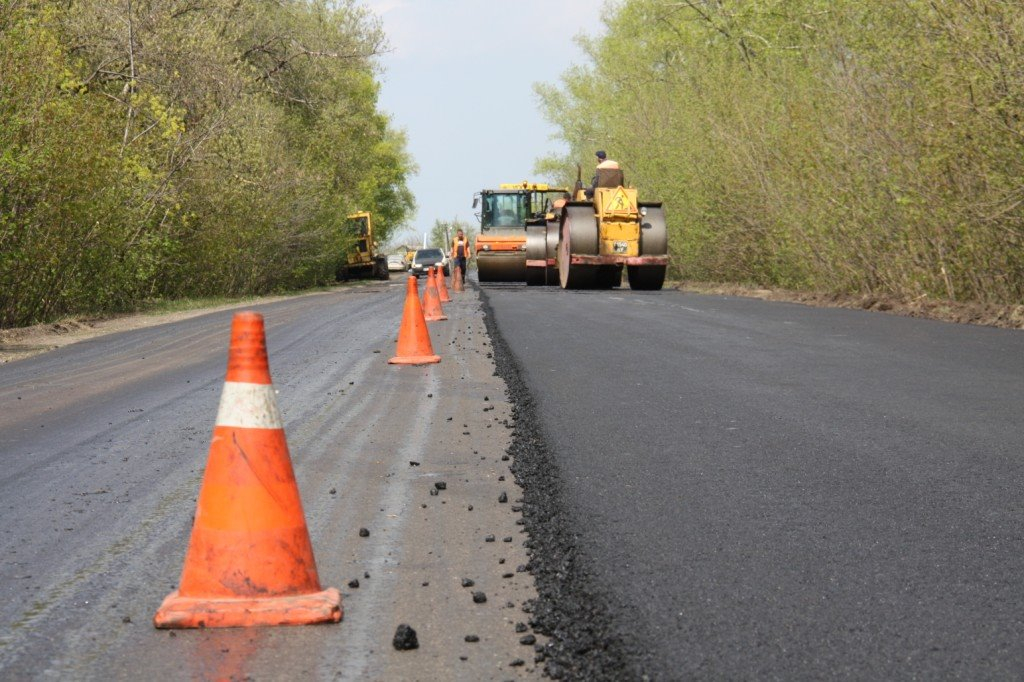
[[725, 488]]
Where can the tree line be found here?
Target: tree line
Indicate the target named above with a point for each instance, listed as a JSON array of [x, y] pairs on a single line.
[[837, 145], [164, 148]]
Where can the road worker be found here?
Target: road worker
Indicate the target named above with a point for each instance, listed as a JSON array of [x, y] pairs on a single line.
[[460, 253], [607, 174]]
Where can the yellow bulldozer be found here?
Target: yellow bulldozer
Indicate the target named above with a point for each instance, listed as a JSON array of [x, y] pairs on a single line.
[[596, 235], [361, 260]]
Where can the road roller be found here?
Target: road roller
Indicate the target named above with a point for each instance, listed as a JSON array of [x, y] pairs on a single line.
[[605, 229], [506, 215]]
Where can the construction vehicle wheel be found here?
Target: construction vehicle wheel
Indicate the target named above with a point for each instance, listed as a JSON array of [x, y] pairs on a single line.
[[609, 276], [551, 252], [500, 269], [577, 276], [483, 268], [536, 249], [551, 276], [646, 277], [653, 232], [579, 235]]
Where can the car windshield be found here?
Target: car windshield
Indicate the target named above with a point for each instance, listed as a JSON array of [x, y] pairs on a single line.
[[432, 255]]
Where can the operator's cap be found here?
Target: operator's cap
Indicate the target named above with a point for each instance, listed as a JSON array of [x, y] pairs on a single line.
[[601, 154]]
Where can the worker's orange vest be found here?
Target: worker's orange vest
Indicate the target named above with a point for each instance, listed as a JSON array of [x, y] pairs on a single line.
[[464, 243]]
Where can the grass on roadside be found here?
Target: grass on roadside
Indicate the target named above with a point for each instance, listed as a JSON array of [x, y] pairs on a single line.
[[180, 305]]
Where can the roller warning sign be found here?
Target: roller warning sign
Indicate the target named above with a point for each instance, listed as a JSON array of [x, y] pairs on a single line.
[[619, 202]]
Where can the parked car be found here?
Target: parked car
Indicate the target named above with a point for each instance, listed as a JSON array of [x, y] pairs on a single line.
[[426, 258], [396, 262]]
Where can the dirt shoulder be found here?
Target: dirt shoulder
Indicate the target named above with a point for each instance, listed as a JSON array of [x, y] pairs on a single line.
[[24, 342], [1007, 317]]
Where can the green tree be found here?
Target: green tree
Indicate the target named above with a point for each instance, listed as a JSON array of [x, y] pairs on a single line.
[[839, 145], [159, 148]]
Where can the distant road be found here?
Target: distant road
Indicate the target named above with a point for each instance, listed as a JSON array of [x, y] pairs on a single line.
[[772, 491]]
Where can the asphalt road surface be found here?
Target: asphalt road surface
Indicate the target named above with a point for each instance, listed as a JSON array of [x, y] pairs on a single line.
[[716, 488], [771, 491], [102, 448]]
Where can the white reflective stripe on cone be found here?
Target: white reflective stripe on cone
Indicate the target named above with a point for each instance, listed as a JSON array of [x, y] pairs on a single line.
[[248, 406]]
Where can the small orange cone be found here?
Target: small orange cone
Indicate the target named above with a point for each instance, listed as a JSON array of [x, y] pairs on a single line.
[[249, 561], [432, 311], [457, 280], [442, 287], [414, 346]]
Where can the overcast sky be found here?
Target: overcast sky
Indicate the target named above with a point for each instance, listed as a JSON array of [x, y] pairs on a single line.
[[459, 82]]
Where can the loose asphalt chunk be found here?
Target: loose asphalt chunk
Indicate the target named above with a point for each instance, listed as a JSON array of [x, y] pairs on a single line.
[[405, 638], [571, 610]]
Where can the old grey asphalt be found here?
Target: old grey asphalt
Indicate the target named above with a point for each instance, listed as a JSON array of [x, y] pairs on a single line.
[[102, 449], [771, 491]]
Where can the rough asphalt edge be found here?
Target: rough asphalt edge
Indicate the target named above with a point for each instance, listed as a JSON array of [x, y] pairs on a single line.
[[570, 609]]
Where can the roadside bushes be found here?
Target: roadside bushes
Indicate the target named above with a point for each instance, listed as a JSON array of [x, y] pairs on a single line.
[[171, 148], [833, 145]]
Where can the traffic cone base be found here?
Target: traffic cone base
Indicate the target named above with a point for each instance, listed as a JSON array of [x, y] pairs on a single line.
[[414, 347], [249, 560], [197, 612], [415, 360]]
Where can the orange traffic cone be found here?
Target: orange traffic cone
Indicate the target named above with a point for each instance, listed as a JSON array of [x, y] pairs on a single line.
[[249, 561], [414, 346], [432, 311], [457, 280], [442, 287]]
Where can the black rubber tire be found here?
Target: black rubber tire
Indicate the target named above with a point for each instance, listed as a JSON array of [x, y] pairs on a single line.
[[608, 276], [646, 277]]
